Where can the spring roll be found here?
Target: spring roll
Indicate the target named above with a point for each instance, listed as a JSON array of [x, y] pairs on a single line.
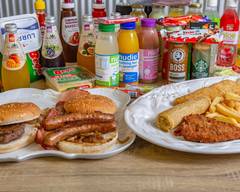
[[171, 118], [215, 90]]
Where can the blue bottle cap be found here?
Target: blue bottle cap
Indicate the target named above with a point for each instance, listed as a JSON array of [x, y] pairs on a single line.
[[128, 26]]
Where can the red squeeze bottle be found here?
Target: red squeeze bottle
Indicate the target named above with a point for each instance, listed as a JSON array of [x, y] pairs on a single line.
[[98, 12]]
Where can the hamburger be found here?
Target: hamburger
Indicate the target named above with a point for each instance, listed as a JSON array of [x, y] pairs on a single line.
[[84, 123], [18, 125]]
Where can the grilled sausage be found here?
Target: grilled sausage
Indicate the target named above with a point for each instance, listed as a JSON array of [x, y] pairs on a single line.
[[60, 135], [79, 118]]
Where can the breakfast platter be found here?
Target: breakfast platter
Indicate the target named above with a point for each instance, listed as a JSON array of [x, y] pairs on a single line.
[[46, 99], [161, 118]]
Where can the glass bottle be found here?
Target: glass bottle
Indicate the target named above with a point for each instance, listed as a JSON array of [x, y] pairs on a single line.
[[15, 73], [52, 49], [176, 10], [138, 11], [211, 11], [195, 9]]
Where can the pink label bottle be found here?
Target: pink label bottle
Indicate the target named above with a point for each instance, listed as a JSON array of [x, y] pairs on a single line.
[[149, 51]]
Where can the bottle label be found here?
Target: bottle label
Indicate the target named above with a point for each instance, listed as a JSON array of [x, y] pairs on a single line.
[[230, 37], [107, 70], [178, 61], [52, 46], [149, 61], [70, 30], [129, 67], [13, 56], [226, 55], [87, 43]]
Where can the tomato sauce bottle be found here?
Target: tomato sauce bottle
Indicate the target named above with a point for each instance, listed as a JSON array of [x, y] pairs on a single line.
[[69, 31], [52, 50], [40, 7], [98, 12]]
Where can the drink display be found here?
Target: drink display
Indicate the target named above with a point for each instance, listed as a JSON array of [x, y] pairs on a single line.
[[128, 54], [98, 12], [211, 11], [69, 31], [107, 56], [149, 51], [230, 25], [14, 71], [86, 49], [195, 9], [52, 50]]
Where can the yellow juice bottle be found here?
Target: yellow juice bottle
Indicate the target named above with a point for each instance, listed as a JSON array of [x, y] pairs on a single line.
[[14, 70], [128, 54]]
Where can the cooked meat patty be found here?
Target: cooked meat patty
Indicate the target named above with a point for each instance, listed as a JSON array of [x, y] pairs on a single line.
[[199, 128], [10, 133]]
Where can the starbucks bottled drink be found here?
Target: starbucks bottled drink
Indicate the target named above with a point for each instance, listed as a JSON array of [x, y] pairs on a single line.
[[52, 50]]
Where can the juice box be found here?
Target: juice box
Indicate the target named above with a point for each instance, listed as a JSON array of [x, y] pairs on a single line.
[[29, 35]]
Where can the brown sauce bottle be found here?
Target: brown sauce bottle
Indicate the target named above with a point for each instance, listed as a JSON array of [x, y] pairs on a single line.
[[69, 31]]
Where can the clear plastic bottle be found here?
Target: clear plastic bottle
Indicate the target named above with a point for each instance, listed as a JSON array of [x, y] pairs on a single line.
[[15, 73], [86, 49], [211, 11], [107, 56]]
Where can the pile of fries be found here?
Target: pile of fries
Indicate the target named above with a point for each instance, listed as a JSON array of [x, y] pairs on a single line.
[[226, 109]]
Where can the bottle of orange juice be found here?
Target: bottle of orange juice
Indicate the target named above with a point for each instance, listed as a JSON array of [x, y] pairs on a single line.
[[128, 54], [15, 72]]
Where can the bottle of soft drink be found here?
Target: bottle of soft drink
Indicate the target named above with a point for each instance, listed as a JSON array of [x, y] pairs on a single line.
[[212, 11], [229, 23]]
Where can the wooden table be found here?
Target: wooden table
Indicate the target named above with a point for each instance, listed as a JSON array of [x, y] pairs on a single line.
[[143, 167]]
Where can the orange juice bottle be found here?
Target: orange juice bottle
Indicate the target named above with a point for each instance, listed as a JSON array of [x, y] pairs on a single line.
[[15, 72], [128, 54], [86, 49]]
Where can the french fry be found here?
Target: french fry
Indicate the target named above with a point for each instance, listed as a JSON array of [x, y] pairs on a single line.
[[230, 103], [237, 107], [223, 118], [228, 112], [232, 96], [216, 101]]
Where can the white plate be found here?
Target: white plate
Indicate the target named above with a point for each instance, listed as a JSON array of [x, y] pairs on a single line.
[[47, 98], [141, 114]]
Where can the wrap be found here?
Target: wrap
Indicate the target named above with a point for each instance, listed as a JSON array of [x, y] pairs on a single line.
[[171, 118], [215, 90]]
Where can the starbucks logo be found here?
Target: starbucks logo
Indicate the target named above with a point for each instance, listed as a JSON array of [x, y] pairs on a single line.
[[178, 55], [201, 66]]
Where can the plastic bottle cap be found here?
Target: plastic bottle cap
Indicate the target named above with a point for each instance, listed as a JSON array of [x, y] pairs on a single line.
[[128, 26], [11, 27], [98, 6], [106, 28], [40, 5], [50, 20], [87, 18], [67, 4], [231, 3], [148, 22], [212, 3]]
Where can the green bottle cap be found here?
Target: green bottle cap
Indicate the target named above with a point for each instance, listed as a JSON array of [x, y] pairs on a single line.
[[106, 28]]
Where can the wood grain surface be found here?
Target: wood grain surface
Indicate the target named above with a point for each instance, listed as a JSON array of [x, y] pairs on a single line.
[[143, 167]]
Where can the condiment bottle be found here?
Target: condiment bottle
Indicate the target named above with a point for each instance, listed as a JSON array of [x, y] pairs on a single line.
[[212, 11], [40, 7], [149, 51], [229, 23], [86, 49], [14, 71], [69, 31], [52, 50], [128, 54], [123, 7], [98, 12], [195, 9], [176, 10], [107, 56]]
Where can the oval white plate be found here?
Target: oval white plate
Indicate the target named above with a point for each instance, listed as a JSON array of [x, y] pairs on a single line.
[[47, 98], [141, 114]]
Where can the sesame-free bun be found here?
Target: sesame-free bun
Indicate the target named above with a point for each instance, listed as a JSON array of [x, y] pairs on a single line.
[[12, 113], [90, 104], [27, 138], [71, 147]]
